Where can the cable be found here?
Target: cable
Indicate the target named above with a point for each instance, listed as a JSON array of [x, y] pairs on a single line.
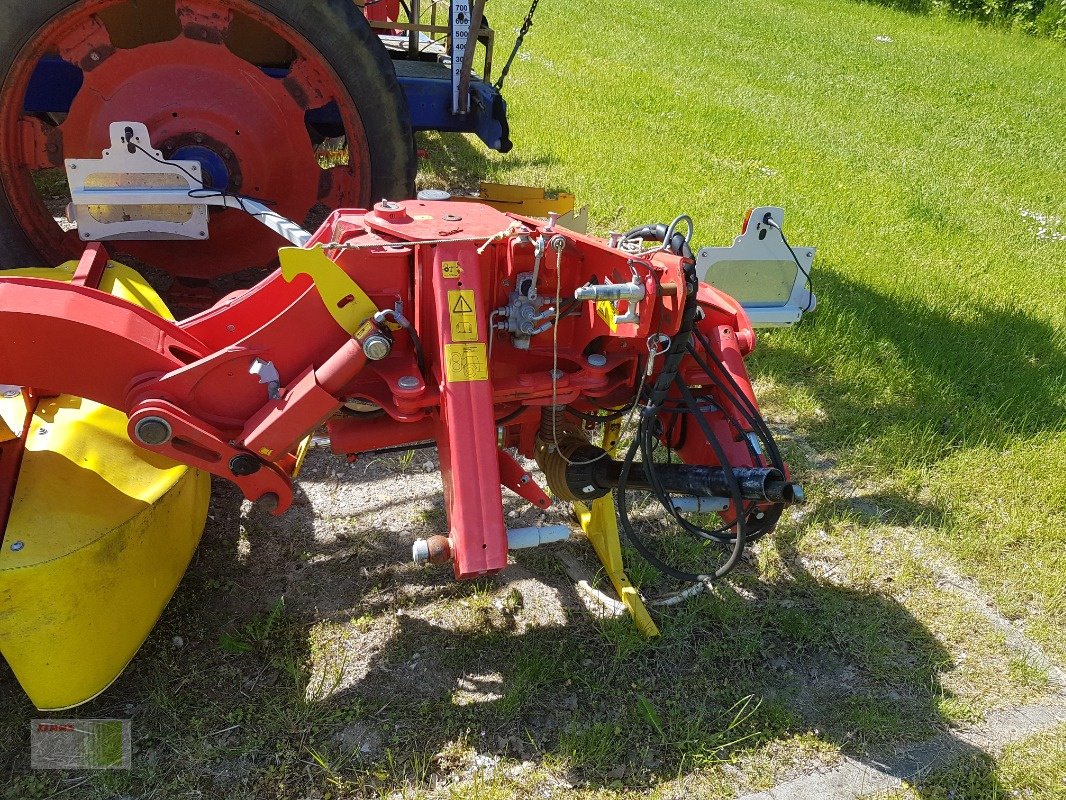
[[644, 442], [512, 415], [769, 220], [203, 187]]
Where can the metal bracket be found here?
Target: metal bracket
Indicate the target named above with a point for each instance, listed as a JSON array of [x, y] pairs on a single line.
[[758, 270], [132, 192]]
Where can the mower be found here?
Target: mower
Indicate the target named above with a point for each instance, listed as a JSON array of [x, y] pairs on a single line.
[[178, 129], [502, 340]]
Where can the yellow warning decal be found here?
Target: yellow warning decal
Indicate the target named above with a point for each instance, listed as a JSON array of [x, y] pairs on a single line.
[[465, 362], [462, 311], [450, 269], [605, 308], [365, 330]]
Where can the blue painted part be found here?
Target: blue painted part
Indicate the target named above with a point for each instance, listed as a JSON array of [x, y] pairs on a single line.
[[212, 167], [55, 83], [52, 87], [430, 103]]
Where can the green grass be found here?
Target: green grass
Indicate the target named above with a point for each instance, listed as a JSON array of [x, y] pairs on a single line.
[[932, 376], [935, 367], [1034, 767]]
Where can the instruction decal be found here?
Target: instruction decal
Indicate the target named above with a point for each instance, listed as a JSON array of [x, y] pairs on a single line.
[[465, 363]]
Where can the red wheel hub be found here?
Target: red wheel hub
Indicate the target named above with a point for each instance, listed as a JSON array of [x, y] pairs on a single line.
[[185, 91]]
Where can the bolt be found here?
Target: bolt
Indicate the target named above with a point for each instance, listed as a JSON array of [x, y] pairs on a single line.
[[94, 56], [16, 546], [408, 382], [434, 550], [557, 374], [376, 346], [231, 328], [153, 431], [597, 360], [452, 218], [760, 515], [42, 431], [203, 234], [198, 138], [244, 464]]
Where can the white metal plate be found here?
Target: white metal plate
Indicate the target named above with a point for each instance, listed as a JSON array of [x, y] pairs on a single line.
[[758, 270], [132, 175]]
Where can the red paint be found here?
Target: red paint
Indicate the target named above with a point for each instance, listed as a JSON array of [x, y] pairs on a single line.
[[195, 374]]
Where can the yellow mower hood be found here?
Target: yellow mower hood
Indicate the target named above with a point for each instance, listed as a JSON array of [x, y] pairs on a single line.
[[99, 535]]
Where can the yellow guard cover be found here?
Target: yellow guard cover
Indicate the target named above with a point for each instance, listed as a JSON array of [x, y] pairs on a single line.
[[99, 535]]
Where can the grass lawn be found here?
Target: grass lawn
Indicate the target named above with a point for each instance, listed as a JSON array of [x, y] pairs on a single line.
[[930, 171], [924, 405], [935, 368]]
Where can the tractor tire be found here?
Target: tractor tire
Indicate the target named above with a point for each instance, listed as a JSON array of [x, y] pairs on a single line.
[[333, 28]]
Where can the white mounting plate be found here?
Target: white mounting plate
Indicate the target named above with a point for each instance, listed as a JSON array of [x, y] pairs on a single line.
[[132, 190], [141, 195], [758, 270]]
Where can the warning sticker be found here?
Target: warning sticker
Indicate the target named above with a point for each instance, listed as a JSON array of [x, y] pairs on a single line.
[[465, 362], [462, 312], [605, 308], [450, 269]]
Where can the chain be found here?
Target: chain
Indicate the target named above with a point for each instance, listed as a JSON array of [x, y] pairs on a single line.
[[526, 25]]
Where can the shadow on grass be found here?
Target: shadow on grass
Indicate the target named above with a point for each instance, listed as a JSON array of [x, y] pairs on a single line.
[[222, 653], [453, 162], [374, 676], [754, 664], [901, 379]]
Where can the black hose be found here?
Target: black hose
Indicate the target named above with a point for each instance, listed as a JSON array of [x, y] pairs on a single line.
[[656, 233]]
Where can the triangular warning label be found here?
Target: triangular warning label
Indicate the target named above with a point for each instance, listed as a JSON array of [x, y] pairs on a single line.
[[462, 307]]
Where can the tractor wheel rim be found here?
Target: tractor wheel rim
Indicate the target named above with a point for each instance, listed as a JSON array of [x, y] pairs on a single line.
[[199, 100]]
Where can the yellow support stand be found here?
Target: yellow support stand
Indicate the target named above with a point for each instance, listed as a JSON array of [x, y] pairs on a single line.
[[600, 524], [601, 527]]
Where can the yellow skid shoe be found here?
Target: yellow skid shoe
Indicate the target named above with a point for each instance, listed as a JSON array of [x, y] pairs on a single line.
[[100, 533]]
